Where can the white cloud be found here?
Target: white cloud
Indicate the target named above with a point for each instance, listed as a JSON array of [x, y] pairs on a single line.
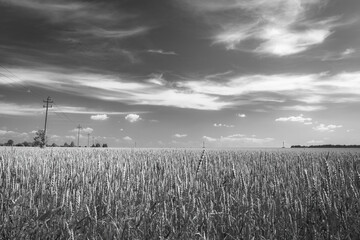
[[114, 88], [178, 135], [223, 125], [127, 138], [209, 139], [15, 109], [87, 130], [277, 27], [326, 128], [339, 56], [99, 117], [237, 140], [241, 115], [13, 135], [160, 51], [315, 142], [132, 117], [306, 108], [203, 94], [299, 118]]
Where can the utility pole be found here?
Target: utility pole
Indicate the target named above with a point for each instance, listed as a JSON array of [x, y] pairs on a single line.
[[79, 128], [88, 139], [47, 101]]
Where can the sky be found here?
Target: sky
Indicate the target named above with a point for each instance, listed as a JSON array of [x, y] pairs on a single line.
[[177, 73]]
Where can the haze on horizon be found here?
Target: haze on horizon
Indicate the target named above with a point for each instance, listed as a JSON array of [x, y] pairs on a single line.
[[175, 73]]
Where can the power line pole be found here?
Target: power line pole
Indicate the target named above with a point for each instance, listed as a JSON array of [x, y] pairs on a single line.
[[88, 139], [79, 128], [47, 101]]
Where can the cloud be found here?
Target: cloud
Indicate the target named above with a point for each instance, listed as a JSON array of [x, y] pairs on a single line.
[[178, 135], [347, 53], [326, 128], [86, 19], [157, 79], [15, 109], [114, 88], [13, 135], [223, 125], [160, 51], [315, 142], [238, 140], [303, 108], [299, 118], [132, 117], [241, 115], [87, 130], [209, 139], [279, 27], [99, 117], [307, 92], [127, 138]]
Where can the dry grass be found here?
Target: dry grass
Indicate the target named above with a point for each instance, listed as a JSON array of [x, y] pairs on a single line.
[[166, 194]]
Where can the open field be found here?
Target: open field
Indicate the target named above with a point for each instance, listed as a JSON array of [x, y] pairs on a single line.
[[159, 194]]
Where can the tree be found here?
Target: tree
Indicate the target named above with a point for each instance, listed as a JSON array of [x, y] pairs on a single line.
[[54, 145], [98, 145], [66, 144], [39, 139], [105, 145], [26, 144], [10, 142], [72, 144]]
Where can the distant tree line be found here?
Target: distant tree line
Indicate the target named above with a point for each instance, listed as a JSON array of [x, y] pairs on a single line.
[[39, 142], [327, 146]]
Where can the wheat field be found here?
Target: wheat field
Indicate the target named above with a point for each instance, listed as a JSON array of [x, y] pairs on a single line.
[[179, 194]]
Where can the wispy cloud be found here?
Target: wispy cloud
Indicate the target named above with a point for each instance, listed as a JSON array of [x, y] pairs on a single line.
[[99, 117], [307, 92], [238, 140], [179, 135], [303, 108], [280, 27], [127, 138], [241, 115], [84, 18], [347, 53], [327, 128], [300, 119], [111, 87], [209, 139], [315, 142], [162, 52], [5, 135], [223, 125], [15, 109]]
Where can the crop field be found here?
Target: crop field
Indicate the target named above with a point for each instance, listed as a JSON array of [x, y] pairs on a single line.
[[179, 194]]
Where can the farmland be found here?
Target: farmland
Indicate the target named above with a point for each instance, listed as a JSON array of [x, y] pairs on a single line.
[[171, 194]]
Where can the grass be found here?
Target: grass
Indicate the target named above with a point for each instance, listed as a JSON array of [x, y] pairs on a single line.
[[170, 194]]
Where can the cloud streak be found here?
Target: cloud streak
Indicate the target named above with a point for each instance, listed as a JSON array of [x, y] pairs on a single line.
[[278, 28], [300, 119], [307, 92]]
